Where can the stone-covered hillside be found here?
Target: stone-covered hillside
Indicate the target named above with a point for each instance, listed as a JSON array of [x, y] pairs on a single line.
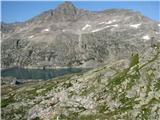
[[126, 89]]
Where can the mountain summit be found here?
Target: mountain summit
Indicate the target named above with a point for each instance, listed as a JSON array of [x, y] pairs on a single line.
[[66, 11], [66, 8]]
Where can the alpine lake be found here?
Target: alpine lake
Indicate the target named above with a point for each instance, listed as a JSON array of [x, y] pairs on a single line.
[[39, 74]]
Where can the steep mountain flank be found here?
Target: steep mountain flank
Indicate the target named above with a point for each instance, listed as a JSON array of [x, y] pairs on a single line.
[[67, 36]]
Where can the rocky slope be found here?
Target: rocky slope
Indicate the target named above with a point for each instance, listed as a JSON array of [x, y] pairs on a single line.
[[127, 89], [67, 36]]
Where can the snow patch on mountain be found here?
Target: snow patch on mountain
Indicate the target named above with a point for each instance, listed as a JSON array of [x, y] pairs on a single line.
[[146, 37], [109, 22], [101, 23], [46, 30], [99, 29], [116, 25], [86, 26], [135, 25], [31, 36]]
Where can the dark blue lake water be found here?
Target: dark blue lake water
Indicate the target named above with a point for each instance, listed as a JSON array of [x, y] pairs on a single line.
[[21, 73]]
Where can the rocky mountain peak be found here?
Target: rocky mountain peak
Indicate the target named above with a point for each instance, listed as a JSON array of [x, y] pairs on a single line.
[[66, 11], [66, 6]]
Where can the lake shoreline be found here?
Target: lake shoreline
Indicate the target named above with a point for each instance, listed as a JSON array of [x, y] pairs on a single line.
[[34, 67], [26, 73]]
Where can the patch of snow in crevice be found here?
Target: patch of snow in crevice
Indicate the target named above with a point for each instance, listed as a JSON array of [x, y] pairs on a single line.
[[116, 25], [109, 22], [146, 37], [46, 30], [30, 36], [157, 33], [63, 30], [86, 26], [96, 30], [114, 20], [135, 25], [101, 23], [159, 25]]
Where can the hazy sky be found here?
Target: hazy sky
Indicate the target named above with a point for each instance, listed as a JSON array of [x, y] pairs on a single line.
[[14, 11]]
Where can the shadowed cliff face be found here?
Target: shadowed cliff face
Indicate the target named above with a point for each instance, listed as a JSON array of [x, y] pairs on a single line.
[[68, 36]]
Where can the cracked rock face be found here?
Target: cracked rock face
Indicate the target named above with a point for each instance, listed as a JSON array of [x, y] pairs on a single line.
[[67, 36]]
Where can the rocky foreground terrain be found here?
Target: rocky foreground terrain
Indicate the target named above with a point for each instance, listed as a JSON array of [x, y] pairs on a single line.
[[127, 89], [68, 36]]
